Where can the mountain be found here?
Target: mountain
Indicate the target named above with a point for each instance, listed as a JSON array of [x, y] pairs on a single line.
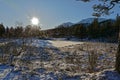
[[67, 24], [90, 20], [85, 22], [108, 21]]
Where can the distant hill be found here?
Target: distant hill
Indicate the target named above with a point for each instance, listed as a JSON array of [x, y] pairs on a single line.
[[85, 22], [90, 20], [67, 24]]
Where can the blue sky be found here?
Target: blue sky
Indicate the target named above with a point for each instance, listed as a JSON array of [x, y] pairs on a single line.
[[50, 12]]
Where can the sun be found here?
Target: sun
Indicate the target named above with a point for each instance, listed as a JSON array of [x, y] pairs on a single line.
[[35, 21]]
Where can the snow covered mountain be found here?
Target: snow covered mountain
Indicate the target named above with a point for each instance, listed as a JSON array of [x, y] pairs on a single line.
[[67, 24], [90, 20], [86, 22]]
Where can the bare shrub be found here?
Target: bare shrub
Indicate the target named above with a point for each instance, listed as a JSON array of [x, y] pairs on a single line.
[[92, 60]]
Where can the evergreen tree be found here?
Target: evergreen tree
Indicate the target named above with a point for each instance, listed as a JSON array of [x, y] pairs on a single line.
[[2, 30], [18, 31], [11, 32], [80, 31], [7, 32], [93, 29]]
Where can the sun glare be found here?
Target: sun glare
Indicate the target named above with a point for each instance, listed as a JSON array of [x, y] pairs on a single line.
[[35, 21]]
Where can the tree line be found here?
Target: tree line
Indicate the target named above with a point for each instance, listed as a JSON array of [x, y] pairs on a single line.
[[107, 29], [19, 31]]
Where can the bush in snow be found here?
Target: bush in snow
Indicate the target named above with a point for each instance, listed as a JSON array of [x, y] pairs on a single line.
[[92, 60]]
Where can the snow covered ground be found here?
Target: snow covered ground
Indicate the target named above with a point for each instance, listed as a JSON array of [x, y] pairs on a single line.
[[8, 73], [62, 60]]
